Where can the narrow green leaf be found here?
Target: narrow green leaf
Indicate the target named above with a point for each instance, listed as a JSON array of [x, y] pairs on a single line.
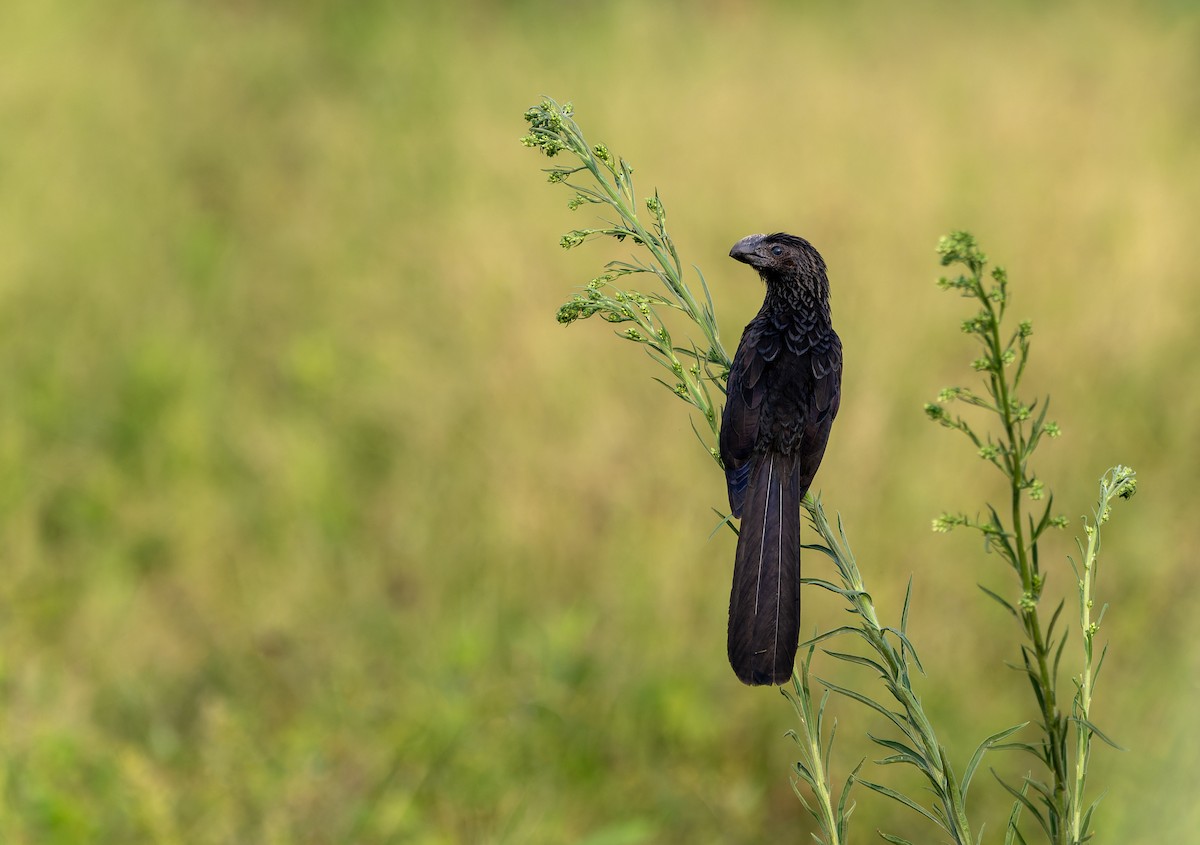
[[1095, 730], [843, 629], [1044, 522], [1021, 797], [1099, 664], [842, 813], [988, 743], [862, 661], [855, 595], [655, 356], [832, 736], [842, 533], [1002, 538], [895, 840], [952, 797], [1086, 824], [663, 383], [819, 548], [1054, 619], [1042, 789], [1036, 428], [696, 432], [803, 770], [1017, 746], [1034, 679], [694, 352], [906, 646], [803, 800], [627, 173], [895, 718], [1057, 657], [794, 698], [726, 519], [903, 754], [903, 799], [849, 595], [709, 309], [1003, 602], [904, 609], [1012, 833], [1015, 835]]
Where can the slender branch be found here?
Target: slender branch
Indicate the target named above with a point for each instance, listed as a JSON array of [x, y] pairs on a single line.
[[1015, 455], [925, 751], [1118, 482], [815, 751], [1064, 822]]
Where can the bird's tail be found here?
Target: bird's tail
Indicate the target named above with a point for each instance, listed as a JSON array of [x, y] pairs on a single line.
[[764, 606]]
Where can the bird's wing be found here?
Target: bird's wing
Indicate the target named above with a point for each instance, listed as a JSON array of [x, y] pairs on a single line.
[[743, 407], [827, 380], [826, 399]]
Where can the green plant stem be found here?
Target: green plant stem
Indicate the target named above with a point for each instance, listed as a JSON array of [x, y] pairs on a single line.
[[820, 785], [553, 131], [1083, 734], [1118, 482], [624, 202], [1016, 541], [813, 768], [926, 753], [1030, 581]]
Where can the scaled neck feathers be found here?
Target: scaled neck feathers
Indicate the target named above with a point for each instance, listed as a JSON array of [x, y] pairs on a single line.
[[805, 291]]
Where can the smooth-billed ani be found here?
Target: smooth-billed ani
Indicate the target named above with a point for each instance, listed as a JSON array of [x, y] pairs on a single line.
[[783, 393]]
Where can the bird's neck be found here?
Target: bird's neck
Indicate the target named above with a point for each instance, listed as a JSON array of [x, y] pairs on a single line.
[[808, 296]]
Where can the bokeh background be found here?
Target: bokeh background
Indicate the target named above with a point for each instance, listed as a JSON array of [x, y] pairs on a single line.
[[316, 527]]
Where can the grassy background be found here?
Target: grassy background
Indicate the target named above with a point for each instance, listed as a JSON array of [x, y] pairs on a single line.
[[315, 527]]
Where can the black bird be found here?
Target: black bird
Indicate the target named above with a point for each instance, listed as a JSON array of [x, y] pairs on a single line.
[[783, 393]]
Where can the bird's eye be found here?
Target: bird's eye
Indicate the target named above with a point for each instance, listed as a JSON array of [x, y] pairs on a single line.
[[776, 250]]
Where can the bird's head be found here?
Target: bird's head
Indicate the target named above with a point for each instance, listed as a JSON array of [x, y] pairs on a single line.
[[780, 257]]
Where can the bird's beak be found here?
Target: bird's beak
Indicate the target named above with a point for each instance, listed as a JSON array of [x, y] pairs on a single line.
[[745, 250]]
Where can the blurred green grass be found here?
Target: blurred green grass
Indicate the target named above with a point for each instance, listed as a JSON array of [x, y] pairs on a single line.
[[316, 528]]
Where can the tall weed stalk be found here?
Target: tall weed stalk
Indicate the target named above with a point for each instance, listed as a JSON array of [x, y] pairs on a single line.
[[1013, 533]]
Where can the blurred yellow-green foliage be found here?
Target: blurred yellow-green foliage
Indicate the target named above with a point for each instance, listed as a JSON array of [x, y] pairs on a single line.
[[315, 527]]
